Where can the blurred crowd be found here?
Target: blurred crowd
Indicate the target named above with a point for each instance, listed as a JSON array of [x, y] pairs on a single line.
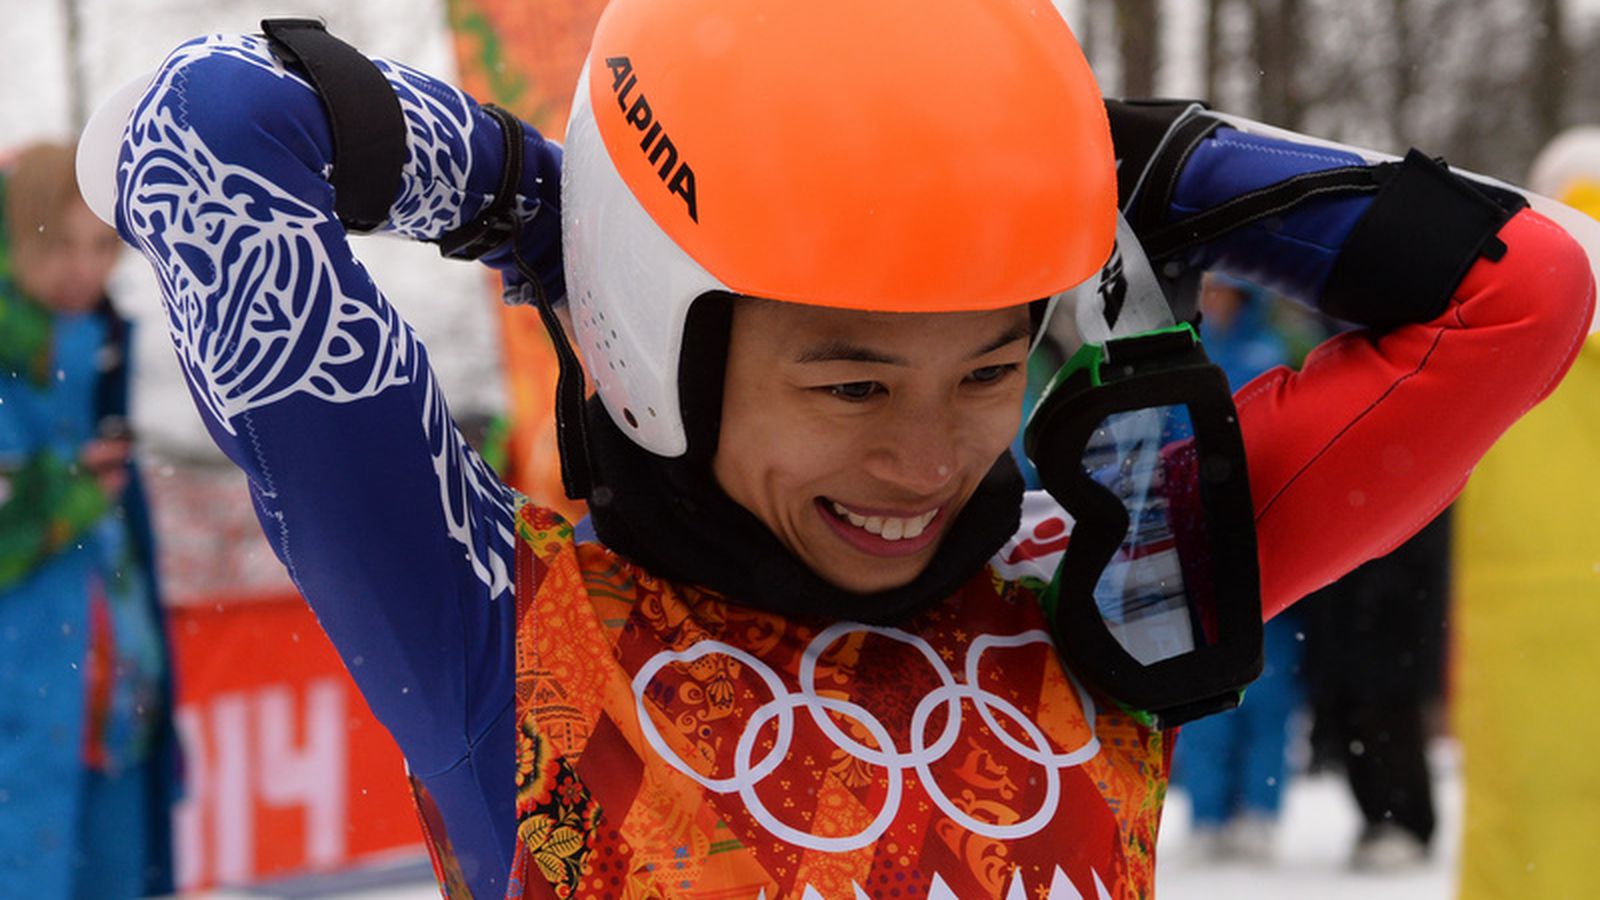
[[87, 747]]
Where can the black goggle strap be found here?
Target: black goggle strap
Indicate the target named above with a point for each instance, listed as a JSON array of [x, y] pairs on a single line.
[[1253, 206], [1123, 298]]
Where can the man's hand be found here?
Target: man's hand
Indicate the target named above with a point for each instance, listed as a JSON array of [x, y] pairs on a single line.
[[106, 459]]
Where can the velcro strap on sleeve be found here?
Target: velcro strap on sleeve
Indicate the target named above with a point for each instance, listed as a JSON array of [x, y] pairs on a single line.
[[369, 132], [497, 222], [1405, 257]]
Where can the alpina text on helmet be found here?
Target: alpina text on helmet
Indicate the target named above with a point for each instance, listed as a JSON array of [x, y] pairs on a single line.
[[658, 147]]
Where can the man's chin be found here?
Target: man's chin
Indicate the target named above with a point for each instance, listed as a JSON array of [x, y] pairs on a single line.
[[874, 577]]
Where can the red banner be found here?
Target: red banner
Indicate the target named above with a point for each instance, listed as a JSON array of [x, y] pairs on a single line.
[[286, 771]]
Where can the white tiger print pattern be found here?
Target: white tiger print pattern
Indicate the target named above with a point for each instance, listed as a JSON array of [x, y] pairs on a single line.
[[251, 288]]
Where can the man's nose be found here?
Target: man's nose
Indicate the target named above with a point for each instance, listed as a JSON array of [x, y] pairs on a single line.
[[920, 452]]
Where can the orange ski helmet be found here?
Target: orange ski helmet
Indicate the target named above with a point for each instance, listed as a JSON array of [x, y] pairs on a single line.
[[891, 155]]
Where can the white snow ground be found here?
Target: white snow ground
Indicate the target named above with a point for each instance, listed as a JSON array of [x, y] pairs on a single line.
[[1315, 835]]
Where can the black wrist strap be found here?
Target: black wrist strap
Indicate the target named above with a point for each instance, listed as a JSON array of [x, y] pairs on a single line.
[[369, 130], [496, 223], [1407, 254]]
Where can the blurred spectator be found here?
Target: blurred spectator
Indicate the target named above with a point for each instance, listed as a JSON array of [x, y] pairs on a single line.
[[1234, 765], [1528, 620], [86, 741], [1374, 664]]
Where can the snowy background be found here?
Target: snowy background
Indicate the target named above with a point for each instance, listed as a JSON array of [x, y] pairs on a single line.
[[449, 305]]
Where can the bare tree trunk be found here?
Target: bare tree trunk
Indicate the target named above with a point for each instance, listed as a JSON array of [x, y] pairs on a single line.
[[1403, 71], [1088, 32], [1213, 50], [1139, 44], [77, 103], [1276, 27], [1550, 59]]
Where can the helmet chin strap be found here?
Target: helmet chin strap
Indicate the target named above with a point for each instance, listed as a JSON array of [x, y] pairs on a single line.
[[572, 431], [497, 226]]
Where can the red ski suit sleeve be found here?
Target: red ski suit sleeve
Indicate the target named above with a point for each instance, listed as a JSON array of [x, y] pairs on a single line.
[[1377, 433]]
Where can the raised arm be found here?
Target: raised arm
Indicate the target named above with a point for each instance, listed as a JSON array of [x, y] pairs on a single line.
[[1475, 310], [391, 526]]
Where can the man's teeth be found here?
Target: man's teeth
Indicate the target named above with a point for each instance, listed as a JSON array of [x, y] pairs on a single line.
[[889, 528]]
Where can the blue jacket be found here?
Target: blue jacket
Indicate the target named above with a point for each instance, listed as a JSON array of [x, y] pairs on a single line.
[[64, 542]]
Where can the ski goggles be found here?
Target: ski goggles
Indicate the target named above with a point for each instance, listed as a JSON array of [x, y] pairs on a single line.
[[1156, 602]]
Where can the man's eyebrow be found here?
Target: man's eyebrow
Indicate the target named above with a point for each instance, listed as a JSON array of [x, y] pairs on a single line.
[[838, 350], [1022, 331], [843, 351]]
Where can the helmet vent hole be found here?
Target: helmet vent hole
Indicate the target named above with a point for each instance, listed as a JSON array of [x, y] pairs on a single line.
[[627, 414]]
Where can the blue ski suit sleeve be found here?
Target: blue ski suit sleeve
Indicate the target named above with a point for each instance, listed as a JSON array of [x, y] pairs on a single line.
[[396, 532], [1293, 252]]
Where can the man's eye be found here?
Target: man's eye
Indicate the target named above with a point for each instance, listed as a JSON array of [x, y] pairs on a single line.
[[854, 391], [991, 374]]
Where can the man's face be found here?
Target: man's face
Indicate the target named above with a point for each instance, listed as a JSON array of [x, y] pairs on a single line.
[[858, 437], [66, 269]]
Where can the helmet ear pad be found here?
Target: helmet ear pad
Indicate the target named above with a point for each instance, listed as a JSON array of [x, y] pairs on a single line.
[[703, 372]]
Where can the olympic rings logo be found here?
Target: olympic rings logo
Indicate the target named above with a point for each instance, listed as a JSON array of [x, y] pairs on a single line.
[[919, 757]]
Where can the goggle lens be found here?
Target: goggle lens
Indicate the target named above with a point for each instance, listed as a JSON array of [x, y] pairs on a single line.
[[1148, 594]]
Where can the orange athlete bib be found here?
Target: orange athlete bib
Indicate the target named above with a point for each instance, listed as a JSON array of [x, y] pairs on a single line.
[[672, 744]]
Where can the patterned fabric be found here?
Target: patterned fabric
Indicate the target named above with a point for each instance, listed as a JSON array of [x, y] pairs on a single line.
[[673, 744], [395, 531]]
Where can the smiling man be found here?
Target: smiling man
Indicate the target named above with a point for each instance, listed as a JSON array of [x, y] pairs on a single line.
[[857, 439], [783, 657]]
